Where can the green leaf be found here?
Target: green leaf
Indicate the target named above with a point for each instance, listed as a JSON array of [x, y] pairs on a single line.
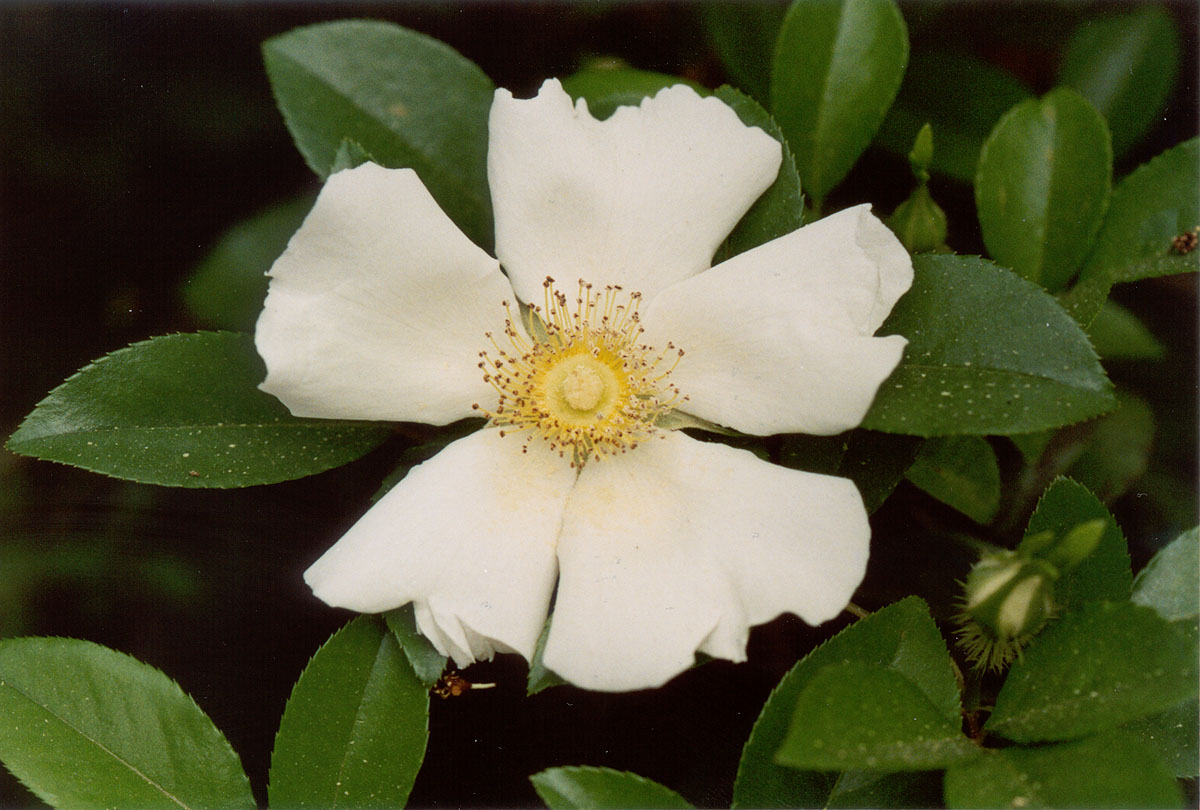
[[901, 636], [1174, 734], [856, 716], [780, 209], [876, 463], [606, 88], [350, 155], [227, 289], [587, 788], [877, 789], [988, 354], [960, 471], [407, 99], [184, 410], [961, 96], [1114, 770], [740, 34], [836, 69], [1125, 65], [1157, 202], [1118, 450], [83, 726], [1099, 667], [427, 663], [1042, 186], [1117, 334], [354, 730], [1032, 445], [1105, 574], [539, 677], [1168, 582]]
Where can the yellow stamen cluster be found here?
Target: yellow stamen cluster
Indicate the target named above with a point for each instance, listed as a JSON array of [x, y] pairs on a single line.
[[583, 383]]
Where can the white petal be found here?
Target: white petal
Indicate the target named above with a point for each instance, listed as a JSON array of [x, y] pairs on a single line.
[[378, 308], [681, 546], [641, 199], [778, 339], [469, 537]]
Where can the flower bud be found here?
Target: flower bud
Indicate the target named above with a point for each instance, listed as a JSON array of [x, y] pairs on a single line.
[[922, 153], [1008, 599], [919, 222]]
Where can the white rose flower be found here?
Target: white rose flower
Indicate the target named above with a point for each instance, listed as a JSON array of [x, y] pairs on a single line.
[[660, 546]]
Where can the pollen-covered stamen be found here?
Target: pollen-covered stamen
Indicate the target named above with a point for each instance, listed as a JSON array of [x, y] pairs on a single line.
[[584, 383]]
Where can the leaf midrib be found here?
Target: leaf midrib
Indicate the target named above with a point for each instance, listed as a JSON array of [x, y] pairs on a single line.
[[1006, 371], [6, 683], [359, 720]]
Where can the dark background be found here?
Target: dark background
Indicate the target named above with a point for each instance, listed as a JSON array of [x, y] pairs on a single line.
[[132, 136]]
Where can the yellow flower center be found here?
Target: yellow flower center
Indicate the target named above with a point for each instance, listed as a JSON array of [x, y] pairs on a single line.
[[584, 383]]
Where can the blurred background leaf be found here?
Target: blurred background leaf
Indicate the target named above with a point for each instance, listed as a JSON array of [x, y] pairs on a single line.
[[227, 289], [1125, 65]]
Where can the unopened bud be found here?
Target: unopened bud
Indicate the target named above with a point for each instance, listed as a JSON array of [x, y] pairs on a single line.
[[922, 153], [919, 222], [1008, 599]]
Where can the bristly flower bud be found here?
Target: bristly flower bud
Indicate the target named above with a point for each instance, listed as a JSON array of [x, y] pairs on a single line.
[[1009, 595], [1008, 598]]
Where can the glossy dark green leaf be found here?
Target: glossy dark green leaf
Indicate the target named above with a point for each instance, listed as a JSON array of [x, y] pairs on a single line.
[[83, 726], [988, 354], [1042, 186], [901, 636], [184, 410], [227, 289], [587, 788], [354, 730], [427, 663], [876, 463], [836, 69], [408, 100], [882, 789], [1117, 334], [1156, 203], [863, 716], [1168, 582], [780, 209], [1125, 65], [1174, 735], [961, 96], [1113, 770], [962, 472], [1118, 450], [741, 35], [1096, 668], [605, 88], [1105, 574]]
